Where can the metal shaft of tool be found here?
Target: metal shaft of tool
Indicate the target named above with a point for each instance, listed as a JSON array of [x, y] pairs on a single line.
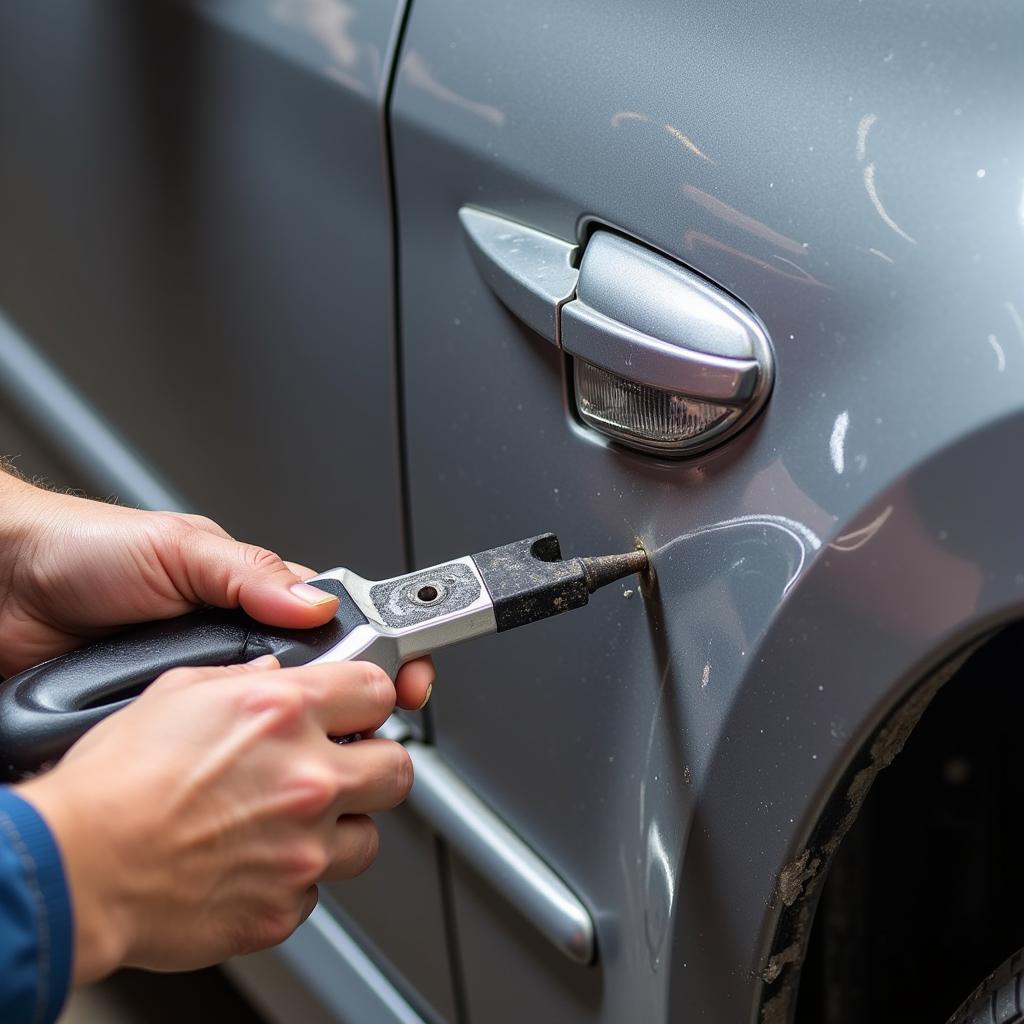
[[605, 569]]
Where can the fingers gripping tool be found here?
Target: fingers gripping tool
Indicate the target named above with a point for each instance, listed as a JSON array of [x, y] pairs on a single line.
[[44, 709]]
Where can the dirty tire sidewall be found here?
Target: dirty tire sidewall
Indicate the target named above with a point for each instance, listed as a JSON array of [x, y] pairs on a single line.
[[999, 999]]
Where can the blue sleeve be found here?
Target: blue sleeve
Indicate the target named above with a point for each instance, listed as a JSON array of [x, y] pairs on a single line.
[[35, 917]]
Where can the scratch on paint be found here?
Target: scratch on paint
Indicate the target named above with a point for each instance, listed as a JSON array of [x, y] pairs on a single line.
[[869, 185], [1000, 354], [862, 135], [686, 141], [623, 116], [627, 115], [837, 440], [858, 538]]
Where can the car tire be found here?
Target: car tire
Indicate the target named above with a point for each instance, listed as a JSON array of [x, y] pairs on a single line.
[[999, 999]]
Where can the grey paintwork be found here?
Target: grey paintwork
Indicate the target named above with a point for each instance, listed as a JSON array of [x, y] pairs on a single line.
[[854, 175], [321, 976], [39, 396], [195, 234], [499, 856], [195, 231]]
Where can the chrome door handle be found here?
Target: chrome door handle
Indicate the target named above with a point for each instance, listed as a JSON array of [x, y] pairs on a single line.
[[634, 355], [643, 317], [533, 273], [633, 313]]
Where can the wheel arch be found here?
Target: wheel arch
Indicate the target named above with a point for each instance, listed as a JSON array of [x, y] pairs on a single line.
[[871, 631]]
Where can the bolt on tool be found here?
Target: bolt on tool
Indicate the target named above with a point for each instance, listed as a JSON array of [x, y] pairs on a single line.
[[44, 709]]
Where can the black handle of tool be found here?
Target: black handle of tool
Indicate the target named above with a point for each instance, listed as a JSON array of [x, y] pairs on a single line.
[[44, 709]]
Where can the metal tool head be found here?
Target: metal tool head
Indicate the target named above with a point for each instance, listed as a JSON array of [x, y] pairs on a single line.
[[529, 580]]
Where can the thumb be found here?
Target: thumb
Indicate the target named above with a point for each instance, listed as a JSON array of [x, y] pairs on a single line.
[[225, 573]]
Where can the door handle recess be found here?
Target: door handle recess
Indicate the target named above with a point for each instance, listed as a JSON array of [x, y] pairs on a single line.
[[666, 338], [455, 813]]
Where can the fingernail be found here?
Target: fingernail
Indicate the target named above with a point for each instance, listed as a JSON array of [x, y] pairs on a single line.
[[430, 690], [263, 661], [311, 595]]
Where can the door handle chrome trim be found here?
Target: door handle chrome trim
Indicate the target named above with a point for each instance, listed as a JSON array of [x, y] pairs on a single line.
[[629, 353], [649, 319], [497, 853], [530, 271], [634, 313]]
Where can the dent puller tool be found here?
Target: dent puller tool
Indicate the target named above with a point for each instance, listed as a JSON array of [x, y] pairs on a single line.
[[44, 709]]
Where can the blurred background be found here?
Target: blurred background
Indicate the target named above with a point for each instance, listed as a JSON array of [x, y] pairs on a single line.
[[194, 219]]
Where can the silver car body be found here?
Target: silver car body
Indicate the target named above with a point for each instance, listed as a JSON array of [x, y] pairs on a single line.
[[231, 229]]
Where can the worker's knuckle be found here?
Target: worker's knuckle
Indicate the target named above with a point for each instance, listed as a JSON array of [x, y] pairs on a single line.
[[378, 687], [306, 862], [260, 559], [388, 773], [170, 528], [282, 702], [371, 843], [312, 786], [403, 771], [317, 684], [204, 527], [204, 523], [276, 925], [367, 846]]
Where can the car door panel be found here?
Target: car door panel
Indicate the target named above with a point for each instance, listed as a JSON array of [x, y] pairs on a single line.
[[196, 239], [196, 234], [751, 146]]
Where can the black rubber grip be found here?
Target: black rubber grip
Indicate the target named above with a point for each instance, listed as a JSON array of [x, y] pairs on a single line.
[[44, 709]]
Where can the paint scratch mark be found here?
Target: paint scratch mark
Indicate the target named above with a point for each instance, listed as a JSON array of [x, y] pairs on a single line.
[[838, 440], [1000, 354], [624, 116], [732, 216], [858, 538], [862, 135], [687, 142], [627, 115], [869, 185], [418, 73]]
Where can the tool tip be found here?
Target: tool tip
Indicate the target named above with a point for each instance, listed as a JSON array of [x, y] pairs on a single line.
[[606, 569]]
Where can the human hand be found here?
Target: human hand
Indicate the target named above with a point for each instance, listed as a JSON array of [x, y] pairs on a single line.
[[195, 822], [72, 569]]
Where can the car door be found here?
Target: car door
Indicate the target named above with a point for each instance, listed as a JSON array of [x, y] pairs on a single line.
[[576, 731], [780, 154], [195, 287]]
